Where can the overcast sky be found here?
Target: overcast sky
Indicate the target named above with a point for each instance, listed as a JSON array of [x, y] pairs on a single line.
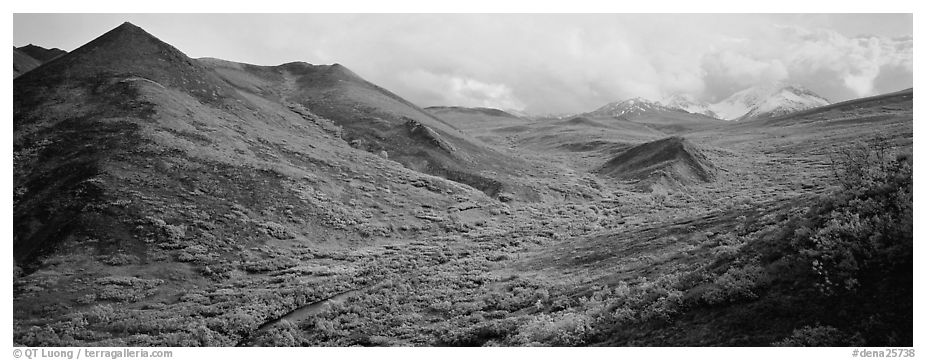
[[542, 63]]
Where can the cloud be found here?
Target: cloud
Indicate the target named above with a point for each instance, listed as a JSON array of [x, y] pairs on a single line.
[[742, 69], [857, 61], [819, 58], [461, 91]]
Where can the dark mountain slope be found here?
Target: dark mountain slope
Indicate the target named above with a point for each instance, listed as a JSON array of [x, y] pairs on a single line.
[[22, 62], [31, 56]]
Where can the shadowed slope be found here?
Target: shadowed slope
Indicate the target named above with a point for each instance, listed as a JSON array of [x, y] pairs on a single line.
[[22, 62]]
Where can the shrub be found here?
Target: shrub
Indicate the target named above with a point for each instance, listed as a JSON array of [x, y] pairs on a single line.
[[277, 231], [126, 288], [560, 329], [866, 231], [174, 233], [100, 313], [664, 307], [736, 284], [284, 334], [266, 265], [195, 253], [818, 336], [120, 259]]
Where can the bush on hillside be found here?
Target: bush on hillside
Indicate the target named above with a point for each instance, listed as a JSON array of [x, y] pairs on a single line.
[[866, 231]]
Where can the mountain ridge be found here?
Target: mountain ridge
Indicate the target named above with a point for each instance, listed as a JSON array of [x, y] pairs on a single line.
[[31, 56], [761, 101], [40, 53]]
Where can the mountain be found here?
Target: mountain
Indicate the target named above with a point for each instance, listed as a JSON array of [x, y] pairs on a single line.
[[687, 103], [154, 175], [376, 120], [128, 52], [656, 115], [626, 109], [22, 62], [128, 117], [674, 103], [752, 103], [873, 107], [101, 112], [670, 161], [42, 54], [475, 118], [767, 101], [31, 56], [471, 110]]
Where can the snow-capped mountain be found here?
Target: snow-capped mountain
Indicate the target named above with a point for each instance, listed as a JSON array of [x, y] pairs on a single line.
[[767, 101], [687, 103], [681, 103], [755, 102], [628, 108]]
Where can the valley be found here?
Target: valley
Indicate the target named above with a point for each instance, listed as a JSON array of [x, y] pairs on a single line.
[[161, 200]]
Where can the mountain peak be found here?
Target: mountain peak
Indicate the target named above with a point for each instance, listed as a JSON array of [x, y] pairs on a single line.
[[768, 100], [628, 107], [130, 51], [128, 25], [129, 28]]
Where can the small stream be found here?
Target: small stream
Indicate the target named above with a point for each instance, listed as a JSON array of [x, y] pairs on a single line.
[[302, 313]]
